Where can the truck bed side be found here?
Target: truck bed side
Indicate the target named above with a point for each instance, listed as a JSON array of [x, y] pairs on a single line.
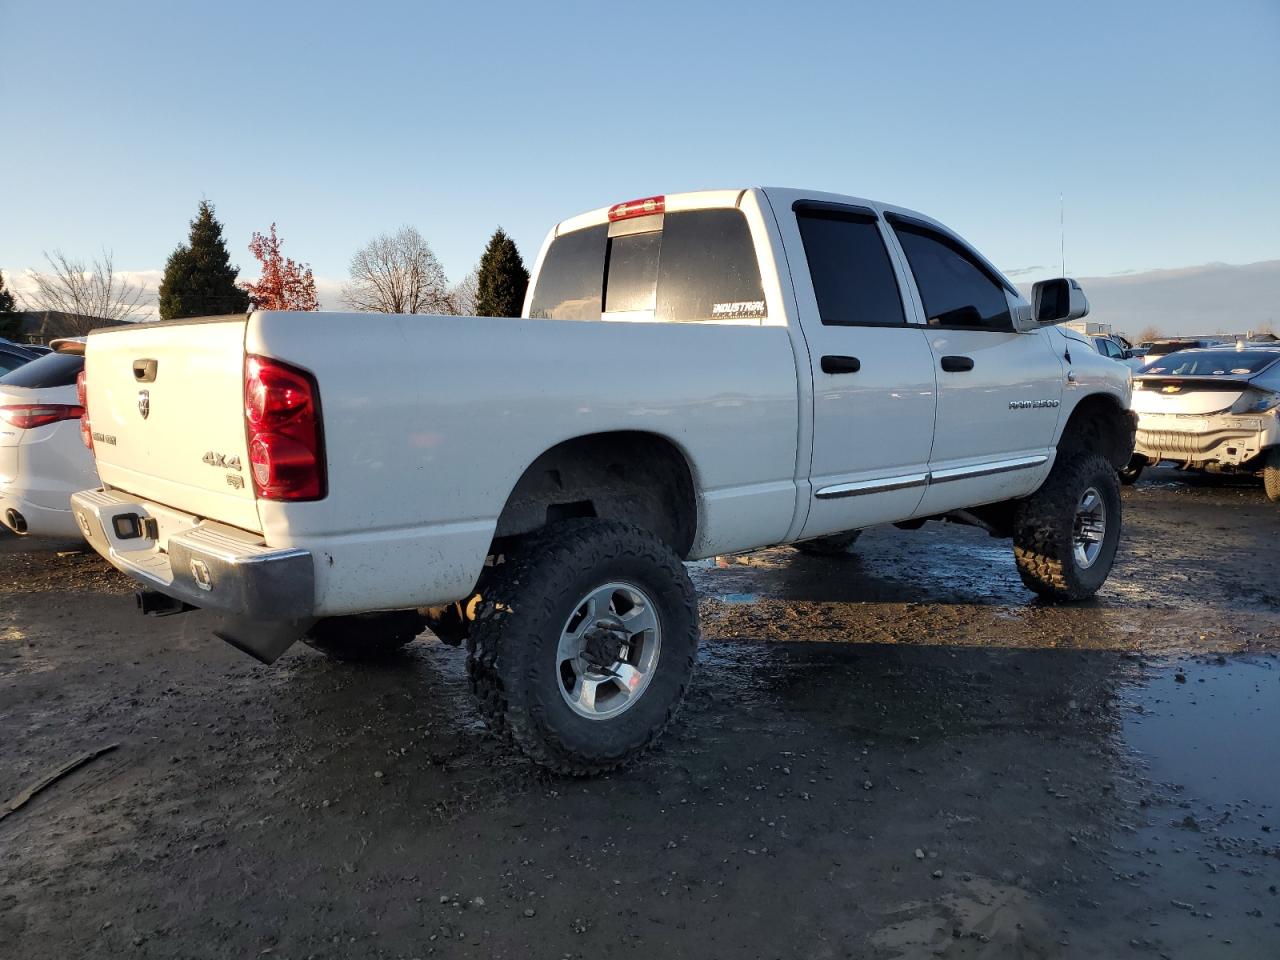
[[429, 423]]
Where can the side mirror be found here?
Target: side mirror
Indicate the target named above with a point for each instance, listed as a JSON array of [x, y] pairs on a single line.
[[1058, 301]]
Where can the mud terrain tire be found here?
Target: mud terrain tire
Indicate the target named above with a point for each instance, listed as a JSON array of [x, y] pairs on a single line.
[[1045, 528], [836, 545], [515, 664], [365, 637], [1271, 475]]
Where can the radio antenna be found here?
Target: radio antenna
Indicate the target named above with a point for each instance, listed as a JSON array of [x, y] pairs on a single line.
[[1062, 233]]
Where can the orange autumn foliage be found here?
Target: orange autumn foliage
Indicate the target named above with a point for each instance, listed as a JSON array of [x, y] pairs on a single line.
[[284, 284]]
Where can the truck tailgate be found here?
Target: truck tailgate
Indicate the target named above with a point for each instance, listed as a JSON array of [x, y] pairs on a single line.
[[166, 407]]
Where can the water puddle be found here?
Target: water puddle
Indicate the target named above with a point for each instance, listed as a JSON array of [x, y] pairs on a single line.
[[1207, 856], [1215, 733]]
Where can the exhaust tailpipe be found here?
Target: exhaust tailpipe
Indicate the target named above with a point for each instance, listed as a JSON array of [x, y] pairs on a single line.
[[15, 521]]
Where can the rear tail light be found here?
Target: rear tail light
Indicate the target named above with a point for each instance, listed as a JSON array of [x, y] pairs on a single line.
[[282, 420], [638, 208], [28, 416], [1256, 401], [82, 398]]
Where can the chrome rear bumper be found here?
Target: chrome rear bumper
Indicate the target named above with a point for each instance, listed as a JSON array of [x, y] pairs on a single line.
[[267, 593]]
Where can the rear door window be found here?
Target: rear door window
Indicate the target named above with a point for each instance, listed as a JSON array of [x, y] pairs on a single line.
[[51, 370], [853, 278], [957, 291]]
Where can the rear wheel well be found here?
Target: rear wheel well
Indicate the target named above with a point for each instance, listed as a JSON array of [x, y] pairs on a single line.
[[1098, 424], [631, 476]]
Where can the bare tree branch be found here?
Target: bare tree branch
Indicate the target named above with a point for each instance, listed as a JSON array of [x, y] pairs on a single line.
[[89, 293], [397, 273], [463, 293]]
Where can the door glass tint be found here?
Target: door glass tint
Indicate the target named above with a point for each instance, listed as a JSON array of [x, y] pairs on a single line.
[[569, 283], [633, 273], [708, 269], [955, 290], [51, 370], [852, 276]]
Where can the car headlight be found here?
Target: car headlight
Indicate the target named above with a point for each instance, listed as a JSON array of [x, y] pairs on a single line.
[[1256, 401]]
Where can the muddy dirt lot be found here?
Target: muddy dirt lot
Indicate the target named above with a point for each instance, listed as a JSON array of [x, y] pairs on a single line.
[[896, 755]]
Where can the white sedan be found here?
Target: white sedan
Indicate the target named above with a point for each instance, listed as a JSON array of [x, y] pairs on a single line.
[[1214, 409], [42, 457]]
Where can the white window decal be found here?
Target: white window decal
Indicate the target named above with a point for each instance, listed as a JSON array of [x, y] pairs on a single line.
[[738, 308]]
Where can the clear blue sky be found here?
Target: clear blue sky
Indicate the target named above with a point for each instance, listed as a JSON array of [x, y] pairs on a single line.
[[1159, 121]]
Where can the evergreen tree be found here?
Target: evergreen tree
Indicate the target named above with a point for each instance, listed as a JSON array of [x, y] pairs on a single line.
[[503, 279], [199, 279], [8, 317]]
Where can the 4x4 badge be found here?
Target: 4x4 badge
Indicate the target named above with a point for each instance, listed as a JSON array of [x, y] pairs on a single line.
[[144, 403], [222, 460]]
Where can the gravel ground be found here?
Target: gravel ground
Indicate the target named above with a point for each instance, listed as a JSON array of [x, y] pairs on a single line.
[[898, 754]]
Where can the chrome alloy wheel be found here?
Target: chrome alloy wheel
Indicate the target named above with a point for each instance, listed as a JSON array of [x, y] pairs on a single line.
[[1089, 528], [608, 651]]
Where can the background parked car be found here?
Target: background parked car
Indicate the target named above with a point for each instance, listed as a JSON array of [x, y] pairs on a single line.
[[1215, 409], [1110, 347], [42, 458], [1162, 348], [14, 355]]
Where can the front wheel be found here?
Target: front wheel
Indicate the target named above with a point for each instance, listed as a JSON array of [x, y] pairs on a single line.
[[1066, 533], [583, 644], [1271, 475]]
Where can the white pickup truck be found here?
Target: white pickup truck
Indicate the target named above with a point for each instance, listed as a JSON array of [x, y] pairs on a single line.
[[694, 374]]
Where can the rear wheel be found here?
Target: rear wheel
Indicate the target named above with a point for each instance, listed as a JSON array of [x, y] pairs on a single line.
[[1271, 475], [1066, 533], [836, 545], [366, 636], [583, 644]]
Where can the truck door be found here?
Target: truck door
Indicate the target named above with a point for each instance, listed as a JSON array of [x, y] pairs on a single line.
[[873, 379], [998, 391]]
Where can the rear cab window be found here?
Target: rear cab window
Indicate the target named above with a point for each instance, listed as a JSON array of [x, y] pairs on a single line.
[[685, 266], [570, 281]]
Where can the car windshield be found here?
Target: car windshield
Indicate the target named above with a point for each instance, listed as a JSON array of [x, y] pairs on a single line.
[[1212, 363]]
